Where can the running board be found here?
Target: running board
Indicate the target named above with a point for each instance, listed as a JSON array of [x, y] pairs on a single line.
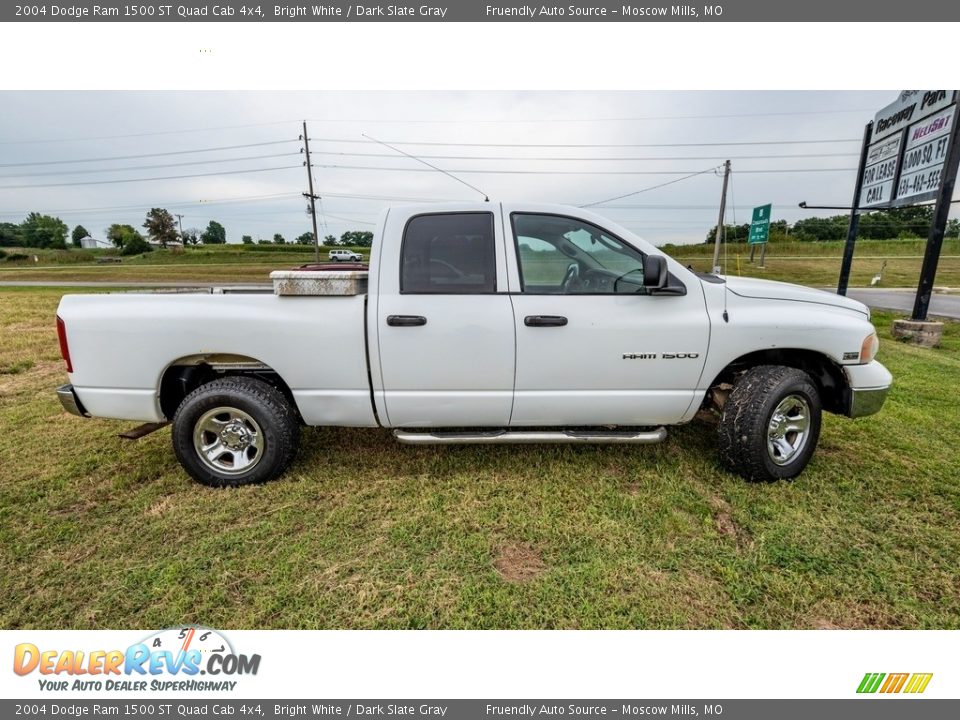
[[533, 437]]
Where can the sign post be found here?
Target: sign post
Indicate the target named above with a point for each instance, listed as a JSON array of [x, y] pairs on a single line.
[[760, 231], [941, 214], [854, 225]]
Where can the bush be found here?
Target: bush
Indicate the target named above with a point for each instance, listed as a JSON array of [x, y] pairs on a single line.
[[135, 245], [270, 246], [3, 254], [14, 257]]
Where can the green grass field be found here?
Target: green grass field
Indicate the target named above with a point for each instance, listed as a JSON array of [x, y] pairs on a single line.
[[818, 263], [96, 532], [810, 263]]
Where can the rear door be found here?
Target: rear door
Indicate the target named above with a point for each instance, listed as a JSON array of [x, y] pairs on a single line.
[[444, 321], [593, 348]]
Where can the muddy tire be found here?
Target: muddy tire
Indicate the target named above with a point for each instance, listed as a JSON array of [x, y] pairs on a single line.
[[235, 431], [770, 424]]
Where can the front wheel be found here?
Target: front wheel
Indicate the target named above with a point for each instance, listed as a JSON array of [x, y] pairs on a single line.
[[235, 431], [770, 423]]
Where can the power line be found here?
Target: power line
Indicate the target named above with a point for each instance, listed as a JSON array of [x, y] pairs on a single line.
[[149, 167], [594, 145], [431, 121], [147, 155], [132, 180], [585, 159], [178, 203], [648, 189], [640, 118], [143, 134], [575, 172]]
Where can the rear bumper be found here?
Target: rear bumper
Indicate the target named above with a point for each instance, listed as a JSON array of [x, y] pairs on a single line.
[[71, 403], [869, 386]]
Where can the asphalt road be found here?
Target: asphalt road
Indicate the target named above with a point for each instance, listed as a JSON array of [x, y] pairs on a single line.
[[947, 306]]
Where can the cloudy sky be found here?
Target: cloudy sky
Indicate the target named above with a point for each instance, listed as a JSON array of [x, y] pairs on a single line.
[[95, 158]]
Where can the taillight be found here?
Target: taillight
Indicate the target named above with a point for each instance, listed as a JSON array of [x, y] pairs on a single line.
[[64, 348]]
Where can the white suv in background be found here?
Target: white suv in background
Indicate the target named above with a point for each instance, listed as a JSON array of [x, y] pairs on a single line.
[[345, 256]]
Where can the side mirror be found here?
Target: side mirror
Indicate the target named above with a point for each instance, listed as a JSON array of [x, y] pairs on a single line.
[[654, 273]]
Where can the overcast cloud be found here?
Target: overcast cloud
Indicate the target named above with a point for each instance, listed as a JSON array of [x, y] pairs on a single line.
[[52, 127]]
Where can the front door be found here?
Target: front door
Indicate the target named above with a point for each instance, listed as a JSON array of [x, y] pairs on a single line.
[[445, 324], [592, 347]]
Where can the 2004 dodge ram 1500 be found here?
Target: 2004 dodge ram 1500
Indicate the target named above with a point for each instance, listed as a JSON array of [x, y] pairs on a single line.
[[481, 323]]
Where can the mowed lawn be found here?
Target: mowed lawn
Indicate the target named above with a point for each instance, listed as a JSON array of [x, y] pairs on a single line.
[[96, 532]]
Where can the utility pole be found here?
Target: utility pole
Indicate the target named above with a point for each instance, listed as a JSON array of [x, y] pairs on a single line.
[[723, 207], [311, 196], [180, 225]]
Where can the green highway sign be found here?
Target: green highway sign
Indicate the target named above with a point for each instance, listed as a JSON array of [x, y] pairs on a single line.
[[760, 225]]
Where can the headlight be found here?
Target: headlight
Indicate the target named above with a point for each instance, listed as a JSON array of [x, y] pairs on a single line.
[[869, 347]]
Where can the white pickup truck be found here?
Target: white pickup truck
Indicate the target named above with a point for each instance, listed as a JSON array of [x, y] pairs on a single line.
[[482, 323]]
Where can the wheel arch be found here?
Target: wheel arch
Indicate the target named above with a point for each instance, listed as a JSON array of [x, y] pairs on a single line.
[[826, 374], [185, 374]]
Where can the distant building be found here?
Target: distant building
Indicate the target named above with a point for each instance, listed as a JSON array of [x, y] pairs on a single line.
[[89, 243]]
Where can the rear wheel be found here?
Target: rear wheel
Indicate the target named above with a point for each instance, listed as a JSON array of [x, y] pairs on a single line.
[[235, 431], [770, 423]]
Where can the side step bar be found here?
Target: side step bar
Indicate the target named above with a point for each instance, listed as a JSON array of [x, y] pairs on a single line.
[[533, 437]]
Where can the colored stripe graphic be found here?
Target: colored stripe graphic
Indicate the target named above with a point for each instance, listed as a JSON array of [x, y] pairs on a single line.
[[918, 683], [870, 682], [894, 683]]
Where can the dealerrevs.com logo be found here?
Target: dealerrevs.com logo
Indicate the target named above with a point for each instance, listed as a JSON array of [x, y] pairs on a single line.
[[177, 659]]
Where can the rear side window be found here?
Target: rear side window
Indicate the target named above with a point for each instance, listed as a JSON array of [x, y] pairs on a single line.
[[449, 253]]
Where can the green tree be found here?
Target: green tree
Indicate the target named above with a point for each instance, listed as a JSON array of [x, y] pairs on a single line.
[[191, 236], [246, 240], [79, 233], [731, 233], [330, 240], [357, 238], [10, 235], [278, 239], [43, 231], [136, 245], [304, 239], [121, 235], [161, 227], [215, 234]]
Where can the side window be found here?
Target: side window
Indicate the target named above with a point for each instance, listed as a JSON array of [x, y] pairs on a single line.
[[449, 253], [564, 256]]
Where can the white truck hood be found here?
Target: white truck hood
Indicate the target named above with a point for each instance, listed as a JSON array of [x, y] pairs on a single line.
[[770, 290]]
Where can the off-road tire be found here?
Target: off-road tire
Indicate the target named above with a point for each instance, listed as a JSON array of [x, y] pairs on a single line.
[[277, 420], [745, 422]]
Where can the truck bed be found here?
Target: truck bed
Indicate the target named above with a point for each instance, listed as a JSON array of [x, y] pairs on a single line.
[[121, 345]]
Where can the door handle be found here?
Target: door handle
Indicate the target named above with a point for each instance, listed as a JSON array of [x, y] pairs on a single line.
[[544, 321], [406, 320]]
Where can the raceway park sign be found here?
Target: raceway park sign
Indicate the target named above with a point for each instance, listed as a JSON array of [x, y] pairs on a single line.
[[908, 149]]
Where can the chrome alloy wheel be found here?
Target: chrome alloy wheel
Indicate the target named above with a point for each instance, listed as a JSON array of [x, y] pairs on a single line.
[[228, 440], [788, 429]]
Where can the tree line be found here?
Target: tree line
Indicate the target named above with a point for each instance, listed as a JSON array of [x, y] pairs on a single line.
[[160, 225], [899, 223]]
